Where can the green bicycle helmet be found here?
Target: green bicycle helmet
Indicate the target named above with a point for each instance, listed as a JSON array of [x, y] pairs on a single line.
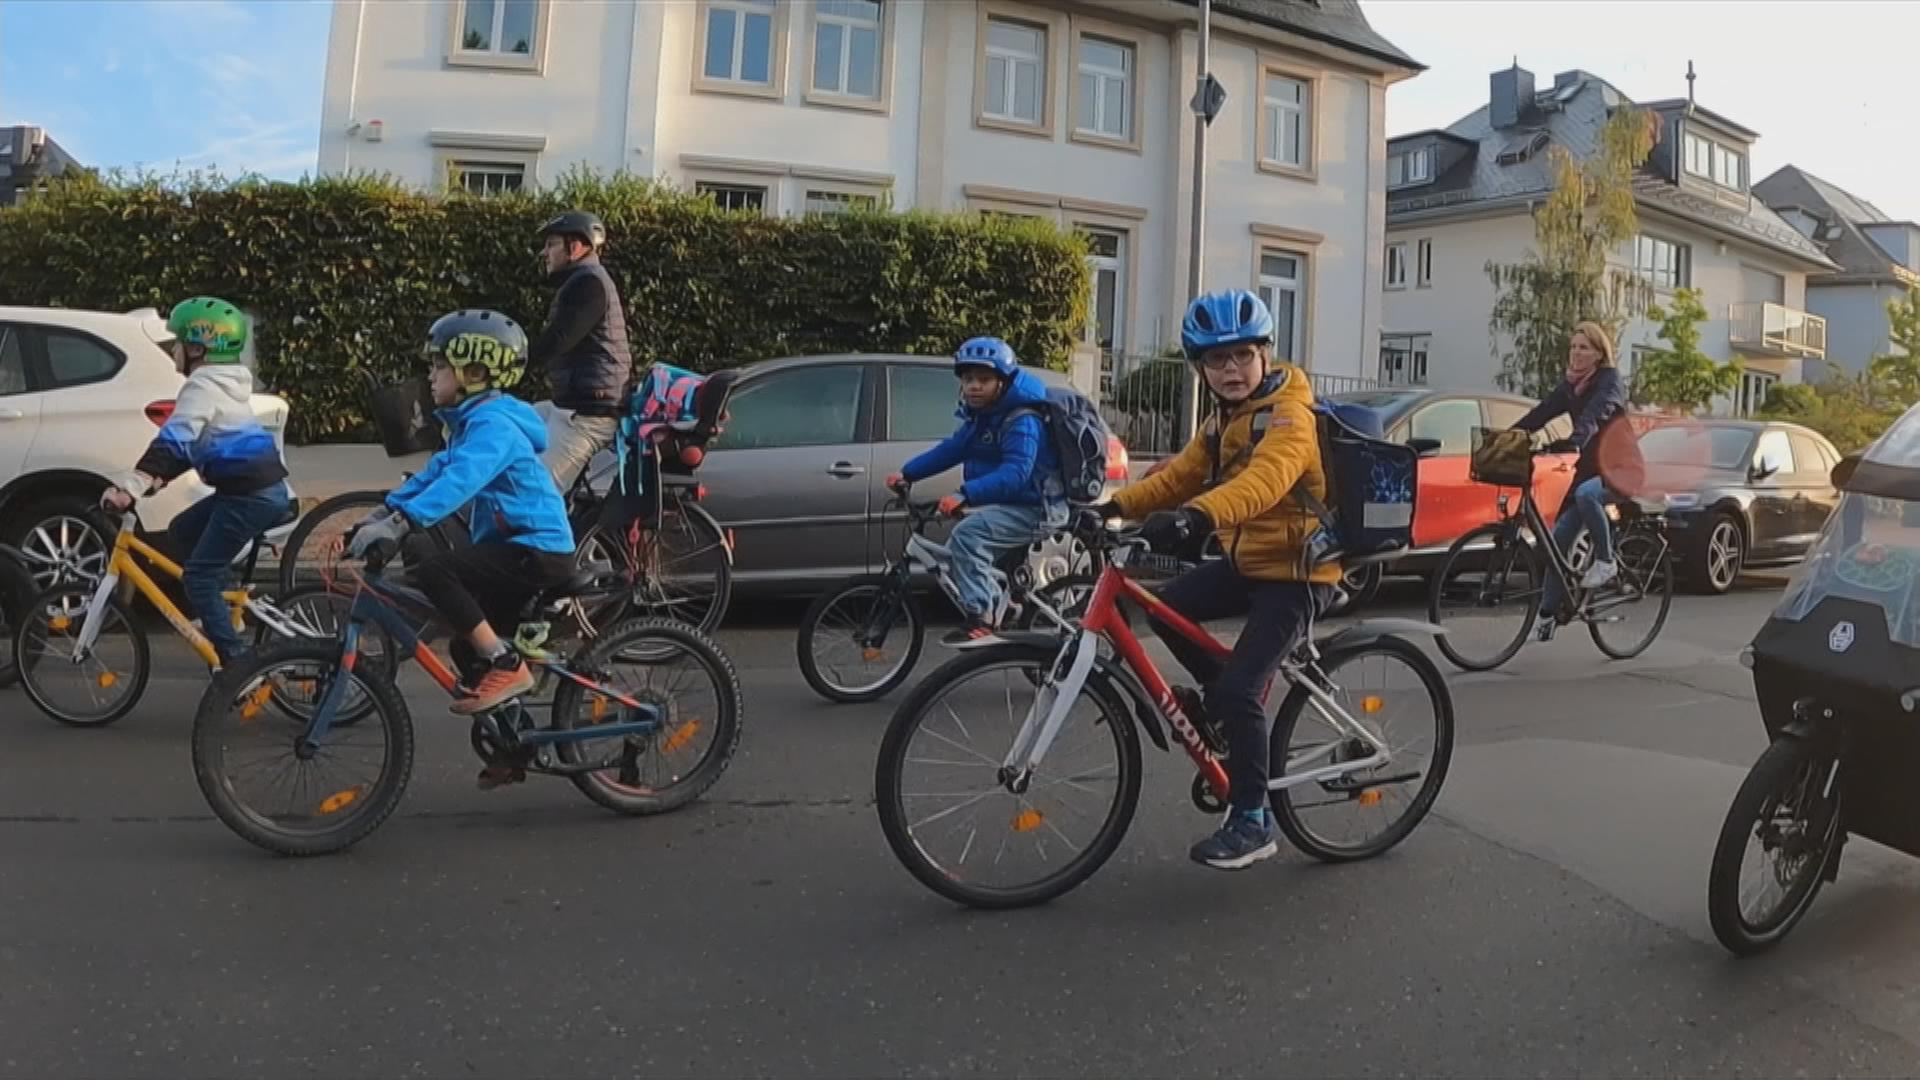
[[212, 324], [463, 339]]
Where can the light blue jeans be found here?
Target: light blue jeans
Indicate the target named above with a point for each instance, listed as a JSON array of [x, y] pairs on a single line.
[[983, 536], [1589, 509]]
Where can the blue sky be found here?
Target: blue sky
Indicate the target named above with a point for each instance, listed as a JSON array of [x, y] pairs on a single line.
[[231, 84]]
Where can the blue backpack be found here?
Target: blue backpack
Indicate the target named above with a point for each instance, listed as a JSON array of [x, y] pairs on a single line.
[[1080, 439]]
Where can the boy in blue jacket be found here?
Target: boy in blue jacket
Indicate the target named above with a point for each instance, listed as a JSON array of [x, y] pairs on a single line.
[[1012, 495], [522, 542]]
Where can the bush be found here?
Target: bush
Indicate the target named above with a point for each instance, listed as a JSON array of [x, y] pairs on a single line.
[[345, 274], [1844, 409]]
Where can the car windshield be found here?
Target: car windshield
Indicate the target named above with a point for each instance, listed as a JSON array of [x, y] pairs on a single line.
[[1688, 444], [1870, 552]]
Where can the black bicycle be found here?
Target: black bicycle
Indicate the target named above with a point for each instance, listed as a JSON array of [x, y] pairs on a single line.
[[1491, 583]]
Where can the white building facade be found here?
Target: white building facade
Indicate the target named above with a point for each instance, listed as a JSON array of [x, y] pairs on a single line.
[[1076, 113]]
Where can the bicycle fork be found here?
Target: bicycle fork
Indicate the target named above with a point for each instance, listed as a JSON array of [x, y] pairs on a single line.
[[96, 614], [1049, 711]]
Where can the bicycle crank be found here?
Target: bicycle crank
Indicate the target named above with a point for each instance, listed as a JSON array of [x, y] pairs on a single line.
[[1203, 797]]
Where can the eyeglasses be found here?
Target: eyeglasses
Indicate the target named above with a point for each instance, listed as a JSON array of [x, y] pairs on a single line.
[[1226, 361]]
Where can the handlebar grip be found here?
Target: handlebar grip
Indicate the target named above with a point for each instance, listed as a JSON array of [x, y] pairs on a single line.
[[380, 553]]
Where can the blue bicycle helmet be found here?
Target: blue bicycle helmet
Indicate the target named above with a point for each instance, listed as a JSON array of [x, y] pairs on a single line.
[[988, 352], [1233, 317]]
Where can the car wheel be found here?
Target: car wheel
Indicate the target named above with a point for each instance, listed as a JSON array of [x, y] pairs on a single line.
[[1721, 556], [62, 538]]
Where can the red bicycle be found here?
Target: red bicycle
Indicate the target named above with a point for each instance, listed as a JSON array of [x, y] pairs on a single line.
[[1011, 774]]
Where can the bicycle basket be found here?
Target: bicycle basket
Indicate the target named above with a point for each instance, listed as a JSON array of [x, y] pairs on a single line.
[[1501, 456], [403, 415]]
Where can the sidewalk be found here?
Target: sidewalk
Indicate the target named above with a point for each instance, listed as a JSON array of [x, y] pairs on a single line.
[[321, 472]]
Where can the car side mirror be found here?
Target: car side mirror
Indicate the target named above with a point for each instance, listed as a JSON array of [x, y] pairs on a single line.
[[1767, 467], [1424, 447], [1843, 472]]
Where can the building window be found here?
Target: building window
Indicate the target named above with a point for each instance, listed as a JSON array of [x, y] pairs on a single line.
[[837, 202], [1286, 122], [1661, 263], [740, 41], [1423, 263], [501, 27], [1403, 359], [1411, 167], [1107, 263], [1016, 73], [1396, 266], [1714, 161], [1747, 401], [1106, 89], [847, 45], [750, 197], [1282, 285], [478, 176]]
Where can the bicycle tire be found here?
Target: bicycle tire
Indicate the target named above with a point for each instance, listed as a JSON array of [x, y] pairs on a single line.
[[1660, 586], [1284, 812], [353, 505], [728, 720], [1777, 765], [388, 788], [634, 606], [1506, 544], [915, 629], [892, 758], [82, 594], [17, 589]]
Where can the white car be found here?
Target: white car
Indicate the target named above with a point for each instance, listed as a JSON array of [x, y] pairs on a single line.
[[81, 395]]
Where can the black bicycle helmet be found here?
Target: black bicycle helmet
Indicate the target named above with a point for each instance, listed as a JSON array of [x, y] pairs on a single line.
[[587, 226]]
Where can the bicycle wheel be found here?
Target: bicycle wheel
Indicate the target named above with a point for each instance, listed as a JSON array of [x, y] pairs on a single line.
[[838, 658], [101, 686], [1633, 606], [1789, 809], [684, 674], [308, 555], [962, 832], [1394, 689], [16, 595], [680, 571], [248, 761], [320, 614], [1485, 594]]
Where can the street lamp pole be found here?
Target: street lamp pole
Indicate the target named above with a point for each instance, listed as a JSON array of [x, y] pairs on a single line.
[[1203, 112]]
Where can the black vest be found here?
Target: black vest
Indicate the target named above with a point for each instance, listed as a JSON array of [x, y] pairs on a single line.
[[592, 376]]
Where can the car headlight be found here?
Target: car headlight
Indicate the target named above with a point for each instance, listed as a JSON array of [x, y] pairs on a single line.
[[1684, 501]]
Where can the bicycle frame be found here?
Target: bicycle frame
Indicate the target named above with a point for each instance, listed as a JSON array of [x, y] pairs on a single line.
[[923, 556], [1104, 620], [1562, 566]]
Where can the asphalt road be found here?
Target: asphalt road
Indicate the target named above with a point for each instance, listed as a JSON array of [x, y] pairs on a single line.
[[1547, 920]]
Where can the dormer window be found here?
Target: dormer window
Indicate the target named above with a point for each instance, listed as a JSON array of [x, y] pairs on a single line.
[[1410, 167], [1716, 162]]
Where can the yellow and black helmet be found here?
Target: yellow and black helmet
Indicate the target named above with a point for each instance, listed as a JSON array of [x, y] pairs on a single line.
[[487, 339]]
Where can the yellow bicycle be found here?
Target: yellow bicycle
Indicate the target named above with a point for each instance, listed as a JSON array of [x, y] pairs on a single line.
[[85, 661]]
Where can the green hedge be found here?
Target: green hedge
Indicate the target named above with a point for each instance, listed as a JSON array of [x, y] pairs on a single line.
[[344, 275]]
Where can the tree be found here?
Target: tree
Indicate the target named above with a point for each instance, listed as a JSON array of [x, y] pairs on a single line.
[[1565, 278], [1840, 406], [1896, 375], [1680, 376]]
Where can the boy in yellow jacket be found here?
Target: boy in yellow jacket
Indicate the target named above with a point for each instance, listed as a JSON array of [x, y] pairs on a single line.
[[1235, 480]]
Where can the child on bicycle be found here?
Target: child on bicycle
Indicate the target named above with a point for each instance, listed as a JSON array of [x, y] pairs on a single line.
[[213, 430], [1233, 480], [522, 542], [1012, 494]]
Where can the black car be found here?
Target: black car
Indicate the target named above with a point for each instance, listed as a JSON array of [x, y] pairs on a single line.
[[1756, 493]]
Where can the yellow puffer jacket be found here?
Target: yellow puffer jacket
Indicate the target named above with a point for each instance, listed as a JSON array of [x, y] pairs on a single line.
[[1261, 527]]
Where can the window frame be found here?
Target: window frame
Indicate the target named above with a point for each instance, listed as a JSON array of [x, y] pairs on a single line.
[[1109, 34], [23, 350], [1404, 162], [775, 89], [533, 63], [882, 101], [446, 158], [1423, 263], [1396, 258], [1050, 46], [1418, 350], [1126, 278], [1716, 153], [767, 187], [862, 406], [1302, 290], [1683, 262], [1313, 83], [39, 358], [882, 197]]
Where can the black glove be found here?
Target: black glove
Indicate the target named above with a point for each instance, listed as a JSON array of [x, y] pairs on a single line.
[[1173, 531], [1560, 446], [1108, 511]]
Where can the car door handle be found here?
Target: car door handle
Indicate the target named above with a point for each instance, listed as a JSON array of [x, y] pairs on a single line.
[[845, 469]]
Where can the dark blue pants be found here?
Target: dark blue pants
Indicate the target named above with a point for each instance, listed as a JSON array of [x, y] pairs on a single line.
[[1279, 615], [210, 534]]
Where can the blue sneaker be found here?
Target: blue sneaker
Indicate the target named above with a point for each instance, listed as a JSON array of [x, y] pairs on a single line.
[[1242, 840]]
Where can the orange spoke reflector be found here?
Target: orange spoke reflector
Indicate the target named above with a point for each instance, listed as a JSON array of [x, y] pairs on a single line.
[[340, 800], [599, 710], [59, 623], [107, 679], [1372, 703], [871, 655], [1026, 820], [1369, 797], [681, 737]]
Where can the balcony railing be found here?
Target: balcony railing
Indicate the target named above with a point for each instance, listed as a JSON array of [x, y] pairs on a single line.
[[1776, 330]]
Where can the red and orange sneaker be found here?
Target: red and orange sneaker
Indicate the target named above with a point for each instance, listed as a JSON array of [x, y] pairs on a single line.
[[971, 632], [507, 679]]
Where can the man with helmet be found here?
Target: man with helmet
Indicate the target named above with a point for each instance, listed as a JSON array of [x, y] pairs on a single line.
[[213, 430], [584, 344], [1012, 491], [521, 540], [1233, 481]]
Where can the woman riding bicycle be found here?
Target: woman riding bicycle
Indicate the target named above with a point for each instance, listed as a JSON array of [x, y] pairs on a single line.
[[1594, 396]]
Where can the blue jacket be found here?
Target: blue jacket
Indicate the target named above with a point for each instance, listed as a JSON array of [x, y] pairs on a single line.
[[1599, 406], [213, 430], [493, 460], [1006, 461]]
